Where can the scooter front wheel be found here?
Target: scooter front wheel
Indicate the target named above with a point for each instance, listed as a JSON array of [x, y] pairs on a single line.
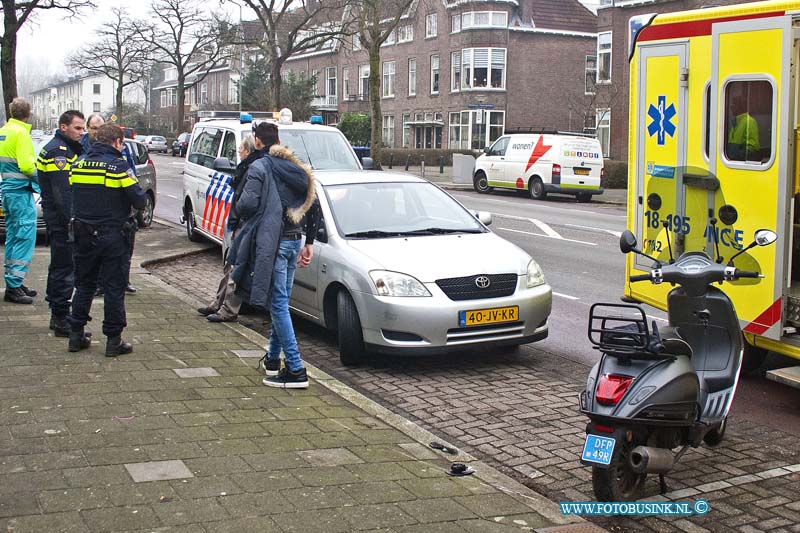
[[618, 482]]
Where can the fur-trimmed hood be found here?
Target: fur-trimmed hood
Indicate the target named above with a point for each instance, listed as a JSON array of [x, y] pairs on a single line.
[[295, 213]]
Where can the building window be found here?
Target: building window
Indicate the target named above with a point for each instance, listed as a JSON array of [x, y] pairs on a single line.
[[749, 121], [483, 19], [406, 130], [356, 42], [330, 88], [483, 68], [591, 75], [391, 39], [455, 72], [95, 88], [388, 130], [455, 24], [435, 74], [96, 107], [173, 97], [203, 93], [163, 98], [412, 76], [363, 82], [405, 34], [170, 74], [603, 122], [604, 57], [233, 89], [431, 24], [454, 137], [346, 83], [388, 79]]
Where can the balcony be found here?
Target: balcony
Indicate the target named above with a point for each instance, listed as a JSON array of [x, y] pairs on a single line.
[[327, 103], [355, 103]]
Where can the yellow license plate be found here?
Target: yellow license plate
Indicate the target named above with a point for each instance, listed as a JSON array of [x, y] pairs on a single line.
[[581, 171], [478, 317]]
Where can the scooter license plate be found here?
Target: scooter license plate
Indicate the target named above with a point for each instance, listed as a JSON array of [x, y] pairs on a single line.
[[598, 449]]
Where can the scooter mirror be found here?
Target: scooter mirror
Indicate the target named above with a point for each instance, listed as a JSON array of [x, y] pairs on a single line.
[[627, 242], [765, 237]]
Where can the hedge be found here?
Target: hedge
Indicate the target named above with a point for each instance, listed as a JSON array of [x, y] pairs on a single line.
[[431, 157], [616, 174]]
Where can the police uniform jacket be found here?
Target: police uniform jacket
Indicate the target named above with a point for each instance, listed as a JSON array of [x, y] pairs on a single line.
[[53, 165], [104, 187]]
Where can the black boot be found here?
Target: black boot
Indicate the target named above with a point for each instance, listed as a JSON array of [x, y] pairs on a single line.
[[17, 296], [28, 291], [116, 346], [78, 340], [59, 325]]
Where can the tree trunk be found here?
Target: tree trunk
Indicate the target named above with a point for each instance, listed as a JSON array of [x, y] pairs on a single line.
[[275, 82], [118, 103], [375, 104], [8, 54], [181, 101]]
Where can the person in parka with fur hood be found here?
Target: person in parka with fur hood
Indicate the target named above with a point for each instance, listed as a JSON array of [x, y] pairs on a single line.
[[278, 196]]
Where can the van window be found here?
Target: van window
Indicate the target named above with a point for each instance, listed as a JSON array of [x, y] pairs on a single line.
[[499, 148], [748, 121], [205, 147], [229, 147], [707, 120]]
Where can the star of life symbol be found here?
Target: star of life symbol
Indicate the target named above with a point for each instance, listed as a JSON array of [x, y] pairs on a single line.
[[661, 123]]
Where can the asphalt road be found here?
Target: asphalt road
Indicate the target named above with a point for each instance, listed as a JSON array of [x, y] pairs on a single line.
[[577, 247]]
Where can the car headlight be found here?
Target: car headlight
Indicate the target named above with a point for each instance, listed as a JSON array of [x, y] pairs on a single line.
[[535, 275], [396, 284]]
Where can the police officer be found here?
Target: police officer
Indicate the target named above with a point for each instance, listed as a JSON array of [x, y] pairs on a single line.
[[19, 182], [53, 165], [103, 190]]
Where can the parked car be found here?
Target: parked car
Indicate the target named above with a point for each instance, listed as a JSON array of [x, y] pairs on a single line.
[[155, 143], [146, 174], [181, 144]]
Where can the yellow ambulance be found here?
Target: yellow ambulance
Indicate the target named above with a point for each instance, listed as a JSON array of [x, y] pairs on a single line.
[[712, 156]]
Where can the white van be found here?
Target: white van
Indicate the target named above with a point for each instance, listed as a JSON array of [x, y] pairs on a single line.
[[212, 157], [542, 164]]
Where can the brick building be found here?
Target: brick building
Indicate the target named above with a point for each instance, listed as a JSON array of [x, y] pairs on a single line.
[[458, 73], [613, 70]]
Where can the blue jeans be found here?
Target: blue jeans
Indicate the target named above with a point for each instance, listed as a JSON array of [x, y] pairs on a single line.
[[282, 336]]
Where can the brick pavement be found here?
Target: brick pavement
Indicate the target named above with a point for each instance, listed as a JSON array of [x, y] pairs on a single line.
[[181, 435], [518, 412]]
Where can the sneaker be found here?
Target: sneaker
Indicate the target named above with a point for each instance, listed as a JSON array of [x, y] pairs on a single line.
[[286, 379], [268, 366], [216, 317], [205, 311]]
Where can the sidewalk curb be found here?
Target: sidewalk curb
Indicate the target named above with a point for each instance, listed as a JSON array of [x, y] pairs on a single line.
[[596, 199], [208, 245], [535, 501]]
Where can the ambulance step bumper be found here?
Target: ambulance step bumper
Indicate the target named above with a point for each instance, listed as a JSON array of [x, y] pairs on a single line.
[[788, 376], [793, 310]]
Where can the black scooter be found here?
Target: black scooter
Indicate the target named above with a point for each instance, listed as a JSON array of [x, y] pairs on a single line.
[[657, 389]]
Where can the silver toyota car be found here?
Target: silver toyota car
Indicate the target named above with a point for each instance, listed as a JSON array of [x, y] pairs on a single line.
[[401, 267]]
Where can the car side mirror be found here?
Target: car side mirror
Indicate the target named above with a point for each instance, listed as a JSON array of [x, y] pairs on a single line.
[[223, 164], [627, 242], [487, 150], [367, 163], [484, 217]]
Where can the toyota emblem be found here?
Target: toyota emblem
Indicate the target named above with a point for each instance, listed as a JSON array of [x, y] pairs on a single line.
[[483, 282]]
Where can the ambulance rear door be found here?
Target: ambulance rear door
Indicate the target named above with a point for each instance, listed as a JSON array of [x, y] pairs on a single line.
[[660, 135], [751, 109]]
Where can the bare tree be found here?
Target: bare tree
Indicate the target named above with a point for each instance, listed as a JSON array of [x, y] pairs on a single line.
[[189, 39], [291, 28], [376, 20], [15, 14], [115, 54]]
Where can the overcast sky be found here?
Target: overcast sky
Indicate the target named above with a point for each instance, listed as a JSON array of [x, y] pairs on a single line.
[[47, 41]]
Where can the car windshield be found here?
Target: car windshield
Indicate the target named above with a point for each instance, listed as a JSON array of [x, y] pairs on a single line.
[[323, 150], [397, 209]]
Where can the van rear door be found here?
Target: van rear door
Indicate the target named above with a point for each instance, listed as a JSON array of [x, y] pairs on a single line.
[[581, 163]]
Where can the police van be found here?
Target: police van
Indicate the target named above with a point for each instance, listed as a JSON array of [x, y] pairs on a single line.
[[212, 156], [542, 164]]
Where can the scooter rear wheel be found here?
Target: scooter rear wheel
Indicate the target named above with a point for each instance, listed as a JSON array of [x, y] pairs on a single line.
[[618, 482]]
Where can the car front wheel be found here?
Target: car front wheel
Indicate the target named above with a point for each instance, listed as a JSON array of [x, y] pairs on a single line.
[[188, 214], [351, 339]]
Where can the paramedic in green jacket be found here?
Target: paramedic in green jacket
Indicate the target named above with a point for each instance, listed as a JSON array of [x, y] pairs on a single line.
[[18, 170], [743, 142]]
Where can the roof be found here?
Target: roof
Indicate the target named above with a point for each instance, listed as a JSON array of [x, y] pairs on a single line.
[[565, 15]]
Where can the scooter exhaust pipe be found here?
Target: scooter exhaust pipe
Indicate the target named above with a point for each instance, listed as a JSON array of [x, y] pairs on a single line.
[[646, 459]]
